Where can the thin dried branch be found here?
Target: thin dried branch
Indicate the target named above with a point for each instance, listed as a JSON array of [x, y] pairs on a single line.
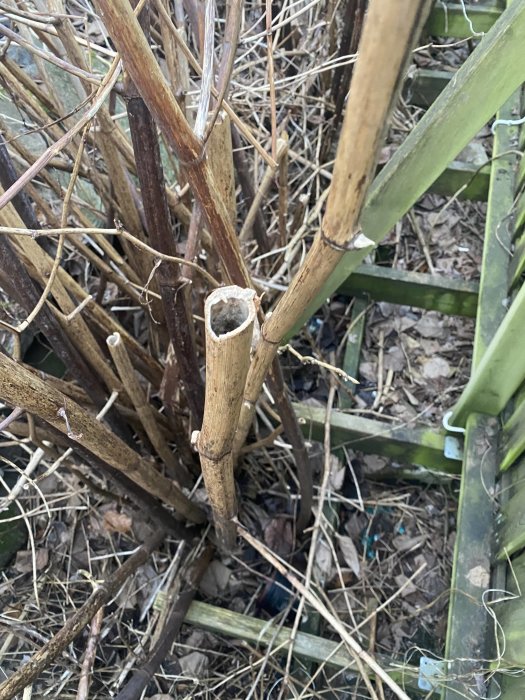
[[75, 624]]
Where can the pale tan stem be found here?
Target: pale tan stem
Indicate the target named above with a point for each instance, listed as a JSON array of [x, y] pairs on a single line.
[[144, 409], [391, 28], [230, 315], [21, 387], [220, 156], [267, 181]]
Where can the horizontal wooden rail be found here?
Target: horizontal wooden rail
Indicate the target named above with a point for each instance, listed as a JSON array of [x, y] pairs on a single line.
[[451, 19], [439, 293], [406, 443], [307, 646]]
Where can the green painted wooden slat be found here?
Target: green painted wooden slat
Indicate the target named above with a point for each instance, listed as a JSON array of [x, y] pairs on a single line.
[[423, 86], [521, 172], [353, 350], [500, 372], [511, 616], [498, 361], [511, 535], [467, 631], [448, 19], [439, 293], [509, 687], [262, 632], [407, 444], [488, 77], [513, 440], [464, 180], [520, 212], [517, 264]]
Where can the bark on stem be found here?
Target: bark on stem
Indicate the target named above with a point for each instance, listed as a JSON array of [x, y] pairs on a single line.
[[391, 28], [147, 76], [230, 315], [20, 387], [158, 222], [144, 409]]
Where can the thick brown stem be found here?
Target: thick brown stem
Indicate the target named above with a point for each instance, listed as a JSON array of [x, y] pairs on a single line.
[[158, 223], [230, 316], [20, 387], [147, 76]]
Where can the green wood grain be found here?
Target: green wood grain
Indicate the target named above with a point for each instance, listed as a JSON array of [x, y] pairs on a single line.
[[448, 295], [498, 358], [501, 370], [468, 639], [511, 535], [513, 439], [448, 19], [511, 615], [353, 350], [494, 378], [262, 632], [408, 444]]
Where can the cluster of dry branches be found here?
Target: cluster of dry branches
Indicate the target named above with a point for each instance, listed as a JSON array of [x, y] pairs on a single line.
[[122, 149]]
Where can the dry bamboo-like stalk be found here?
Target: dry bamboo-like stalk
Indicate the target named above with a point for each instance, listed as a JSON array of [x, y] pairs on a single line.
[[220, 156], [391, 28], [20, 387], [230, 314], [144, 410], [147, 76]]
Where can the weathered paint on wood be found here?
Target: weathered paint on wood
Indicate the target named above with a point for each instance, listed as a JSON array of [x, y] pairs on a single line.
[[448, 19], [449, 295], [412, 444], [353, 350], [309, 646], [468, 630]]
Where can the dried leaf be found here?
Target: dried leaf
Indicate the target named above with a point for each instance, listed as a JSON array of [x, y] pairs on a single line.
[[215, 580], [374, 463], [337, 473], [409, 588], [394, 359], [350, 554], [403, 542], [278, 536], [24, 560], [368, 370], [430, 326], [117, 522], [194, 664], [436, 367], [323, 563]]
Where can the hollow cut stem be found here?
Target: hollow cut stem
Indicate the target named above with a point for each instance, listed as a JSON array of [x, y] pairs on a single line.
[[230, 315]]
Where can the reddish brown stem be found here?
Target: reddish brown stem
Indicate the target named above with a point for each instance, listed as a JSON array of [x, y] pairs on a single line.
[[158, 223]]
